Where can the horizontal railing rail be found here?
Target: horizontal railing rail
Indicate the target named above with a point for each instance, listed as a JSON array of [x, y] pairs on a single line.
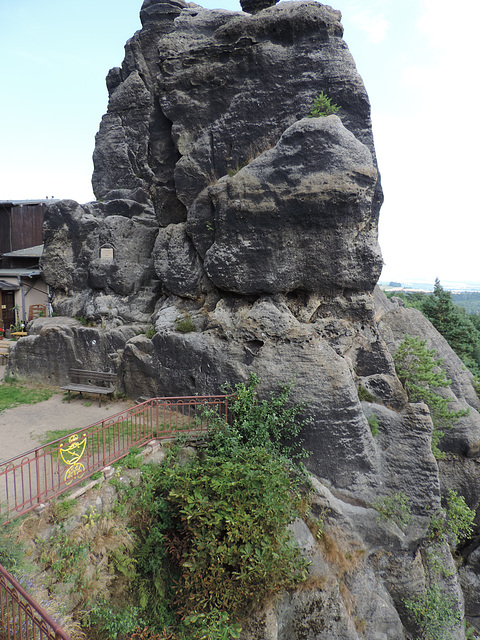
[[45, 472], [21, 617]]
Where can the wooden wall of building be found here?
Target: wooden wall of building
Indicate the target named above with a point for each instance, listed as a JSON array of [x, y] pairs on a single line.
[[21, 226]]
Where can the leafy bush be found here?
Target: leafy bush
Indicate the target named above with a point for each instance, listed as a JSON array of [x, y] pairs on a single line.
[[435, 613], [274, 422], [213, 537], [115, 621], [460, 518], [395, 508], [225, 520], [322, 107], [420, 373]]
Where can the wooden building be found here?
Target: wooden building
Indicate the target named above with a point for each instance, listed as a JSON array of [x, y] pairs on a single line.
[[21, 224], [24, 294]]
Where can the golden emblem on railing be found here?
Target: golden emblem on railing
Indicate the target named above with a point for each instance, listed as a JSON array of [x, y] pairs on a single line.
[[71, 456]]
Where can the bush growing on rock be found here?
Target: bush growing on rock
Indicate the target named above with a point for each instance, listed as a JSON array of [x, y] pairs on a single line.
[[322, 107], [421, 374]]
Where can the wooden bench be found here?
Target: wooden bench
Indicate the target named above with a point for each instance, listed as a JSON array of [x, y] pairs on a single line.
[[4, 346], [85, 381]]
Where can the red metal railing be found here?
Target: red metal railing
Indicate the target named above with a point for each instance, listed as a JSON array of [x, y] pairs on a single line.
[[47, 471], [21, 617]]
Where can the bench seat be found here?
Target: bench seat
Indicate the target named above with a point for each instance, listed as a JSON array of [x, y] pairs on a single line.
[[4, 352], [83, 382]]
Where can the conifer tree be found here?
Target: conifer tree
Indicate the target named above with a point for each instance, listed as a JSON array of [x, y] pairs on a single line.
[[454, 325], [421, 374]]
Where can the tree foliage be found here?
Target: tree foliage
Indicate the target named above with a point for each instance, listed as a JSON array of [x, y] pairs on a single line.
[[323, 106], [435, 613], [273, 422], [213, 537], [455, 326], [422, 376]]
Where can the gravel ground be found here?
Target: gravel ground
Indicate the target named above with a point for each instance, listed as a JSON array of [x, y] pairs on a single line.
[[22, 426]]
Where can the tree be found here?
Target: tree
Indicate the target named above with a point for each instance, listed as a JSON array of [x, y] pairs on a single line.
[[454, 325], [421, 373]]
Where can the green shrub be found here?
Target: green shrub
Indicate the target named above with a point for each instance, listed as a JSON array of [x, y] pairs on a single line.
[[395, 508], [214, 625], [435, 614], [229, 544], [185, 324], [373, 423], [421, 373], [274, 422], [322, 106], [460, 518], [456, 522], [115, 621]]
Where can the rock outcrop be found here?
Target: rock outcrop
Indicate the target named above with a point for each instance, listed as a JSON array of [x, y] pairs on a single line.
[[221, 201]]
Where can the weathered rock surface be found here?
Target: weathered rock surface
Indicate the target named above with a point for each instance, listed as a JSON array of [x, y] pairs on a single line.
[[205, 92], [273, 225], [221, 202], [98, 260]]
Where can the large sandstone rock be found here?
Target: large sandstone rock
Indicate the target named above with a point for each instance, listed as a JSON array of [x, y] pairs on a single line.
[[273, 225], [98, 260], [201, 91], [220, 199]]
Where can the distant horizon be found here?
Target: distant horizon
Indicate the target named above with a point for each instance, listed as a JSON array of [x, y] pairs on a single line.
[[427, 284]]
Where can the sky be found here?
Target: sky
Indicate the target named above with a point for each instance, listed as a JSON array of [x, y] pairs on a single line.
[[418, 59]]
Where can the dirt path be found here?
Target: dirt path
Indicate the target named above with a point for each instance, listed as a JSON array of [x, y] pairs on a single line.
[[21, 427]]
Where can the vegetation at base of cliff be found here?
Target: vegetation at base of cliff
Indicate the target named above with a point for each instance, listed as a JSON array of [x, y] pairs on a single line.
[[460, 329], [222, 526], [322, 107], [212, 534], [421, 375], [193, 545]]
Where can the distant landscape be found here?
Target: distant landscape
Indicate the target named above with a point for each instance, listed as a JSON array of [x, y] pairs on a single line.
[[464, 294], [455, 286]]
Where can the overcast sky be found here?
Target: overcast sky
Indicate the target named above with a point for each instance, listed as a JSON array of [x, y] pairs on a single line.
[[419, 60]]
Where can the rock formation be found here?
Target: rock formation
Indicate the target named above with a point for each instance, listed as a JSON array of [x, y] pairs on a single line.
[[221, 201]]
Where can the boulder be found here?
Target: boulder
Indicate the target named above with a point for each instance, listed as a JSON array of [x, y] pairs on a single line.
[[291, 218]]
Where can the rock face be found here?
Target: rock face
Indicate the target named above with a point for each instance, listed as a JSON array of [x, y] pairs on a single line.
[[221, 201]]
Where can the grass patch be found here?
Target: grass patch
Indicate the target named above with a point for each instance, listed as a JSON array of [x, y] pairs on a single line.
[[14, 393]]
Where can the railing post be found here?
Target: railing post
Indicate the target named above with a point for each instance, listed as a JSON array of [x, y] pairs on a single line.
[[151, 419], [104, 443], [38, 476]]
